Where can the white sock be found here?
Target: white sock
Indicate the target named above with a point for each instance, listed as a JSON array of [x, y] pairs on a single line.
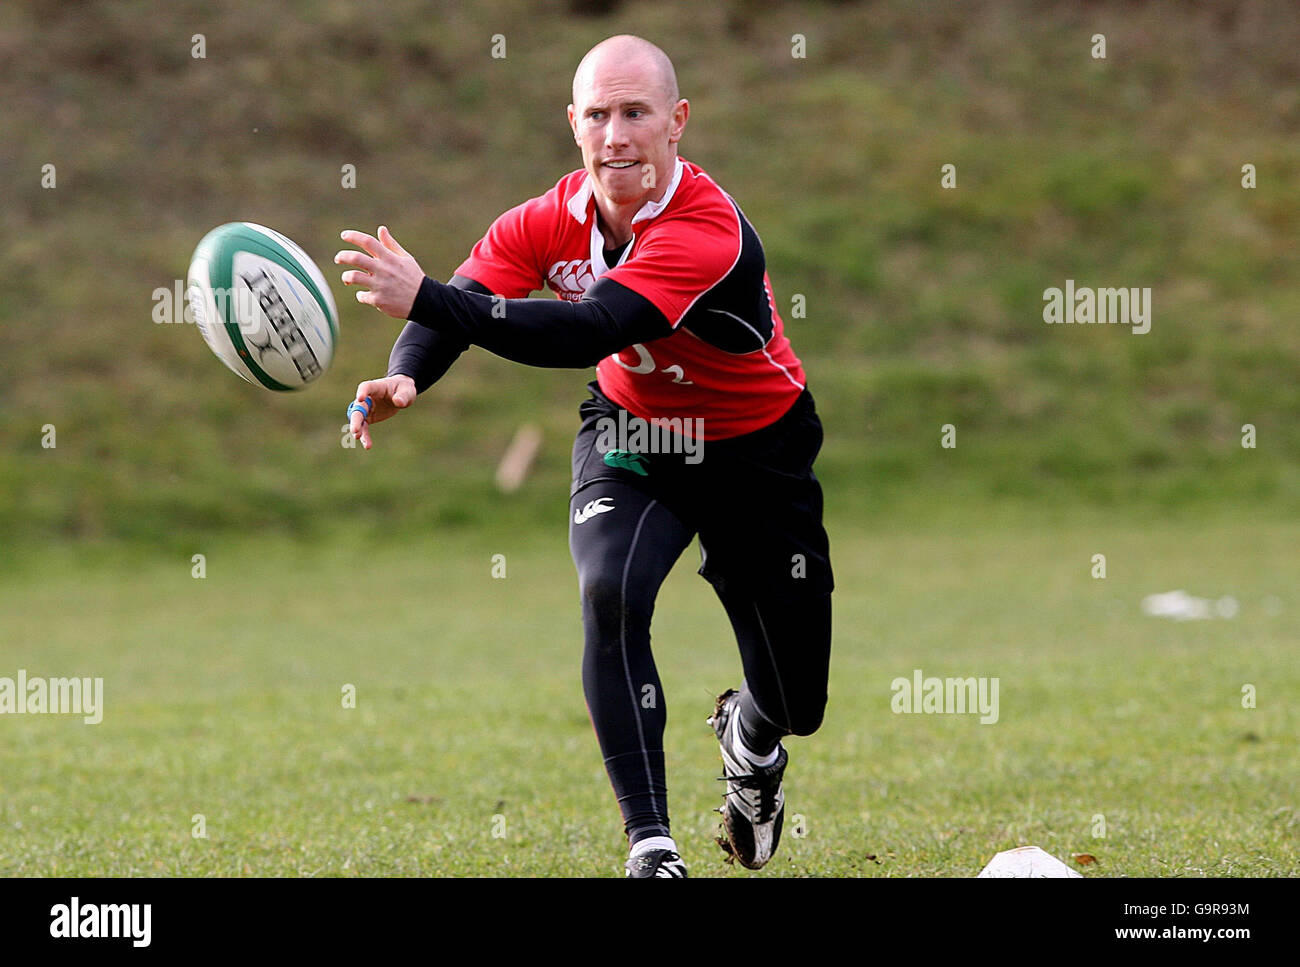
[[738, 746], [653, 842]]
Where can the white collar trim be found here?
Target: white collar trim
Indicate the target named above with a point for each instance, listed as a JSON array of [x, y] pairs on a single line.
[[579, 203]]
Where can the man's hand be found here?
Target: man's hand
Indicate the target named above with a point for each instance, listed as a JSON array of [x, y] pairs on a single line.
[[388, 271], [390, 394]]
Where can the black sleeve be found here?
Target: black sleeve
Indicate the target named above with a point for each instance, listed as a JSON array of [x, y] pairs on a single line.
[[542, 332], [424, 354]]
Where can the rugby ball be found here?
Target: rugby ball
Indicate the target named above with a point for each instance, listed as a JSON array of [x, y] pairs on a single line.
[[262, 306]]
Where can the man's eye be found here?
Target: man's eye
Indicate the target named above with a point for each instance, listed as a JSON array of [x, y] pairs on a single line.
[[633, 113]]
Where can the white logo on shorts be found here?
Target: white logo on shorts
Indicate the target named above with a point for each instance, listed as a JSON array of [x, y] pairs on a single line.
[[591, 510]]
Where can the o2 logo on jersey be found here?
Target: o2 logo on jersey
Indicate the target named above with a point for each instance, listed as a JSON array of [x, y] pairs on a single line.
[[571, 278], [645, 363]]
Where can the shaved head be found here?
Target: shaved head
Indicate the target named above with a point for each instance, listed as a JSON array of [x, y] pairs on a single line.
[[626, 52], [627, 118]]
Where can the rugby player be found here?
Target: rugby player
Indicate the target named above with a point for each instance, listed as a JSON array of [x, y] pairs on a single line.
[[662, 286]]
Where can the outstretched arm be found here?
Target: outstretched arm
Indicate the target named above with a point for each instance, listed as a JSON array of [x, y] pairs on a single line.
[[542, 332], [419, 358], [426, 355], [539, 332]]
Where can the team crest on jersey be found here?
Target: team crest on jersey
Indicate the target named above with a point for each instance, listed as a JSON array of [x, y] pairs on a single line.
[[570, 279]]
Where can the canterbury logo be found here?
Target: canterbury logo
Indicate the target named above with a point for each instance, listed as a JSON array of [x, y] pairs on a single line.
[[591, 510], [570, 279]]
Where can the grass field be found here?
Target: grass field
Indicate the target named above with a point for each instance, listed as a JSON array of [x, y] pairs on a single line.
[[223, 697]]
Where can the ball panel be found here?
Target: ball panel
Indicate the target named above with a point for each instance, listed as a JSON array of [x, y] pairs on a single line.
[[268, 312], [272, 342], [314, 279], [209, 319], [272, 278]]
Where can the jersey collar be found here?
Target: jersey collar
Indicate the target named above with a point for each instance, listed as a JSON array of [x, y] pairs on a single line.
[[580, 203]]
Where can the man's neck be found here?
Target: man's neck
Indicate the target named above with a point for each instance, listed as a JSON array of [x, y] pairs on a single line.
[[615, 221]]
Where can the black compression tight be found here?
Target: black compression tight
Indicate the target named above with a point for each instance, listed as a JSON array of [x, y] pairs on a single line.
[[624, 542]]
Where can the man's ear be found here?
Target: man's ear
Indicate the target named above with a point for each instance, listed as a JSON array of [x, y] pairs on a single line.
[[681, 112], [573, 122]]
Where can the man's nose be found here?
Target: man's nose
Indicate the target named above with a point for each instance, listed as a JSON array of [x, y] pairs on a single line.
[[615, 132]]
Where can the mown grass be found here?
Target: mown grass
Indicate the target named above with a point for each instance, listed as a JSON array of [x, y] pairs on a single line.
[[223, 697]]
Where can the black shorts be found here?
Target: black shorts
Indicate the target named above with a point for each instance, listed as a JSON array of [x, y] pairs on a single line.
[[753, 500]]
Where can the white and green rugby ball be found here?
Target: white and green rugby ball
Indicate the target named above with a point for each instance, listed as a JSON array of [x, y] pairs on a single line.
[[263, 306]]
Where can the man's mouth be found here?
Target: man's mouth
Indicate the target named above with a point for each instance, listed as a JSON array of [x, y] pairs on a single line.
[[618, 164]]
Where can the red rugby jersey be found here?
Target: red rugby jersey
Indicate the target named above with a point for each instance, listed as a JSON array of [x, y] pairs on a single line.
[[696, 257]]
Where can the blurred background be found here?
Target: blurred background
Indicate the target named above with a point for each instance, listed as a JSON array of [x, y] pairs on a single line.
[[924, 305]]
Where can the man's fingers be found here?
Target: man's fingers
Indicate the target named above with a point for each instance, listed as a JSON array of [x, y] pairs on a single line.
[[379, 390], [359, 425], [386, 237], [390, 393], [353, 277], [404, 395], [361, 430], [352, 257], [362, 240]]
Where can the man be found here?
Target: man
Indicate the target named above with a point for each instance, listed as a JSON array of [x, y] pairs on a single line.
[[662, 285]]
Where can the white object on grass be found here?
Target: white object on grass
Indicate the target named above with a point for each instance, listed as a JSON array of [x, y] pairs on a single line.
[[1182, 606], [1026, 861]]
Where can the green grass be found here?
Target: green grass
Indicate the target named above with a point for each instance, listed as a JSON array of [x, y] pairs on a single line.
[[223, 697]]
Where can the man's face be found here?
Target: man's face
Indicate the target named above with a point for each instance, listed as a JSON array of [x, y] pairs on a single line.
[[628, 130]]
